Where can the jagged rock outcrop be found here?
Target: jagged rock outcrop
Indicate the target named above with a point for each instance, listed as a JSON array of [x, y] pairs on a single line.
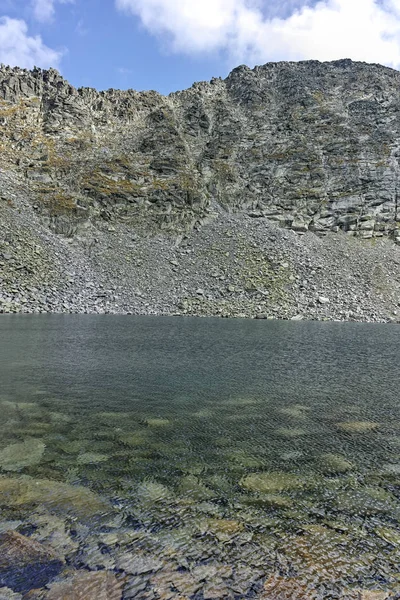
[[312, 146]]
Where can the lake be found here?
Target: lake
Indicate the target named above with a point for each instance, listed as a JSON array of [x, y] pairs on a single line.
[[161, 458]]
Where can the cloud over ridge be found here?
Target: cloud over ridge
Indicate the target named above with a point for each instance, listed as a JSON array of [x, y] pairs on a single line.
[[44, 10], [18, 48], [366, 30]]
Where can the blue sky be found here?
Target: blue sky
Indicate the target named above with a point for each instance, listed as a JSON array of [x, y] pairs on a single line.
[[166, 45]]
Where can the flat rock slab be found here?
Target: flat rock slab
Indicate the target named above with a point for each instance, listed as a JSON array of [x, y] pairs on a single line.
[[25, 563], [53, 495], [17, 456], [99, 585]]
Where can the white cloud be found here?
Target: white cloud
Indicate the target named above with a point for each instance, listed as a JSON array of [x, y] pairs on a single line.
[[44, 10], [367, 30], [18, 48], [124, 71]]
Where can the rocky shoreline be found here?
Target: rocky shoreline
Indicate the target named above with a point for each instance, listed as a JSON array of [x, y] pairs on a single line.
[[234, 266]]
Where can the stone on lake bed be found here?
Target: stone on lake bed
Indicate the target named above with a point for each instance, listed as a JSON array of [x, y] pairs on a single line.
[[335, 463], [391, 536], [372, 595], [136, 438], [136, 564], [24, 454], [91, 458], [273, 482], [296, 411], [365, 501], [281, 588], [87, 585], [149, 492], [358, 426], [56, 496], [7, 594], [25, 563], [192, 487], [158, 422], [224, 528], [275, 500], [291, 432]]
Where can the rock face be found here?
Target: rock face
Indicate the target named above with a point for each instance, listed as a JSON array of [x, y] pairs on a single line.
[[241, 196], [311, 145]]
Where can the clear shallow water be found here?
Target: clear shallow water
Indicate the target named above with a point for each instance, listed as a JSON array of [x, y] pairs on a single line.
[[203, 458]]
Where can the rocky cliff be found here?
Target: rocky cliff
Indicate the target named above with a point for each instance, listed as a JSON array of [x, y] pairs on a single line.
[[309, 147]]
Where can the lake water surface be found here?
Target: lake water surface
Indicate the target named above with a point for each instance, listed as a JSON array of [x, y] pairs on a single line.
[[203, 458]]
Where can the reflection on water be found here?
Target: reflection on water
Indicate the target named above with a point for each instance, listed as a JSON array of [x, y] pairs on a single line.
[[159, 458]]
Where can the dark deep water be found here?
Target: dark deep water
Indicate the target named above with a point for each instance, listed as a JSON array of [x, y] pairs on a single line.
[[202, 458]]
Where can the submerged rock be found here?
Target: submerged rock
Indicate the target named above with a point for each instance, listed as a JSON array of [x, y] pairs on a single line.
[[366, 501], [158, 422], [17, 456], [91, 458], [335, 463], [136, 564], [291, 432], [52, 495], [273, 482], [281, 588], [358, 426], [223, 529], [193, 488], [25, 563], [149, 492], [7, 594], [100, 585], [391, 536], [295, 411]]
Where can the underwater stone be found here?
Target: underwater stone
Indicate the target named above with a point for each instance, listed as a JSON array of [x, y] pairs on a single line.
[[158, 422], [272, 482], [152, 491], [334, 463], [291, 432], [276, 500], [391, 536], [53, 495], [358, 426], [100, 585], [91, 458], [135, 564], [366, 501], [7, 594], [25, 563], [191, 487], [18, 456], [281, 588], [224, 529]]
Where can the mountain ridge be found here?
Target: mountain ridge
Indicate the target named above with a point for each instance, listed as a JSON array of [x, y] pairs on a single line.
[[310, 148]]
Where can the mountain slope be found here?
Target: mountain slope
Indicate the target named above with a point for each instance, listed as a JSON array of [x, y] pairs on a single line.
[[190, 203]]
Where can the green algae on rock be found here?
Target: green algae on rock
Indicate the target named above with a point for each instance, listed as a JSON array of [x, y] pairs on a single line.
[[358, 426], [56, 496], [91, 458], [335, 463], [273, 482], [17, 456]]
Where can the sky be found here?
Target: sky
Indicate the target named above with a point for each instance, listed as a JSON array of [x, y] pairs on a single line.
[[167, 45]]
